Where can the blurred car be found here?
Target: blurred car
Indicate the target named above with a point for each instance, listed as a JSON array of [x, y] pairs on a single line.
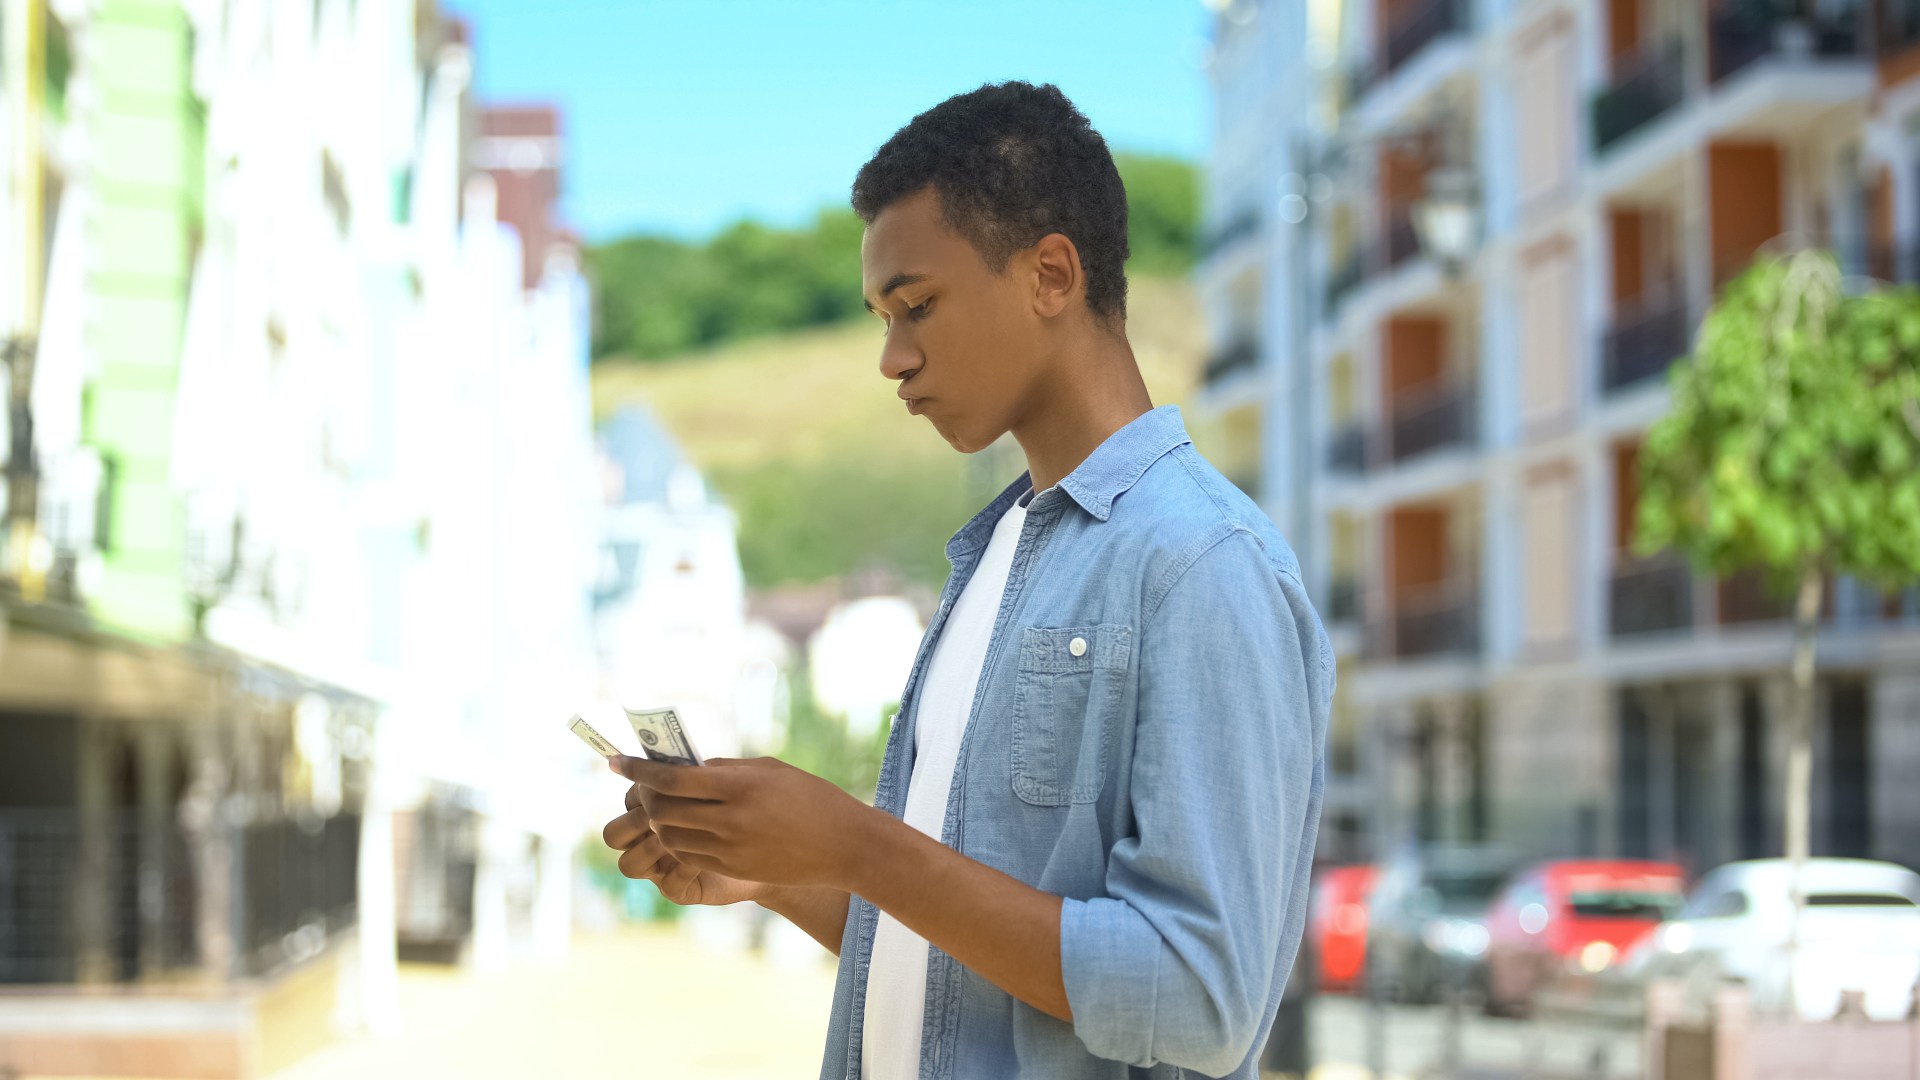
[[1571, 914], [1337, 922], [1860, 930], [1426, 925]]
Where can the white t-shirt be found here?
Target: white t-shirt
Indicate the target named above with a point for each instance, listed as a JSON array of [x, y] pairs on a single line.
[[897, 971]]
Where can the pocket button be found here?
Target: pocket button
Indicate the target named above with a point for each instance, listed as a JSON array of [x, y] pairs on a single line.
[[1078, 646]]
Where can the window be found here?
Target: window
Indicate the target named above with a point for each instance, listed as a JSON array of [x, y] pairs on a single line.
[[1548, 348], [1551, 543], [1719, 904]]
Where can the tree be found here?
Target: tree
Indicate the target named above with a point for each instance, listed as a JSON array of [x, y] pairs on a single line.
[[1793, 448], [657, 297], [1163, 213]]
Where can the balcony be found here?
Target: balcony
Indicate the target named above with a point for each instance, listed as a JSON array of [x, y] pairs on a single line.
[[1403, 240], [1425, 22], [1347, 450], [1739, 38], [1745, 597], [1425, 420], [1644, 88], [1343, 600], [1347, 275], [1650, 595], [1894, 265], [1898, 29], [1437, 620], [1241, 354], [1643, 345], [1240, 226]]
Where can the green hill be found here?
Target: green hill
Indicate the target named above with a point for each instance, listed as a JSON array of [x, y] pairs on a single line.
[[805, 438]]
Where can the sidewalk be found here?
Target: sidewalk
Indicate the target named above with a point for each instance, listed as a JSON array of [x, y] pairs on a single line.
[[643, 1002]]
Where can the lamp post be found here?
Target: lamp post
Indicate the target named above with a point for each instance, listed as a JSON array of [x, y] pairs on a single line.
[[1447, 224]]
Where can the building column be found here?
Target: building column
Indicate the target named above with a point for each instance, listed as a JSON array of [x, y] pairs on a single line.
[[153, 743], [93, 870]]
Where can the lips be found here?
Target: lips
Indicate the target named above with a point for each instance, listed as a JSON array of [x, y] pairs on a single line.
[[913, 405]]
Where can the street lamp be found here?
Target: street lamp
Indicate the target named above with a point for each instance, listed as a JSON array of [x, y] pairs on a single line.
[[1447, 217]]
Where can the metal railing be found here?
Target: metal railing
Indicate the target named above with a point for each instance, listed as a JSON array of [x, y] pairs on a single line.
[[1241, 225], [1403, 239], [1898, 29], [1426, 421], [1343, 600], [118, 896], [300, 883], [1418, 28], [1244, 353], [1650, 595], [1347, 275], [1745, 597], [1644, 344], [1438, 619], [1651, 84], [1347, 449], [1738, 38]]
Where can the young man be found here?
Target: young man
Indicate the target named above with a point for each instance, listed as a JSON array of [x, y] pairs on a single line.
[[1097, 809]]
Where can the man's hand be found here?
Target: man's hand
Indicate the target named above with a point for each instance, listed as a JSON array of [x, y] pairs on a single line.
[[740, 821], [643, 856]]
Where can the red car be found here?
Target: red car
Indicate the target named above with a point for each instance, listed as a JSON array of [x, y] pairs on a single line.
[[1337, 921], [1571, 915]]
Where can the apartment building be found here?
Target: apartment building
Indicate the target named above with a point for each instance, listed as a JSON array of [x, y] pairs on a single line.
[[299, 527], [1513, 216]]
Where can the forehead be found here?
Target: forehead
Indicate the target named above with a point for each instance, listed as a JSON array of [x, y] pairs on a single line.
[[910, 237]]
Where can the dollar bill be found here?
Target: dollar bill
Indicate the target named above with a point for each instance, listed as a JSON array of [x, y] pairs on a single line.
[[662, 736], [592, 738]]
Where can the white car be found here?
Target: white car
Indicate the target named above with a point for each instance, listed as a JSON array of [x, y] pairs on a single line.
[[1860, 930]]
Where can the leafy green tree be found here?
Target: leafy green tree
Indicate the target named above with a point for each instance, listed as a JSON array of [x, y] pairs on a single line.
[[658, 297], [1793, 447], [1163, 213], [820, 743]]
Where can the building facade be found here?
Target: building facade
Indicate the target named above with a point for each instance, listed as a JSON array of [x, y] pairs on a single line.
[[1511, 672], [296, 578]]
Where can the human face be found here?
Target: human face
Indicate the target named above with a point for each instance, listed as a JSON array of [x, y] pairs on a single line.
[[961, 340]]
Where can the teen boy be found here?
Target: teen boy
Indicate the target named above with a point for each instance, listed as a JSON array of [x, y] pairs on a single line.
[[1088, 853]]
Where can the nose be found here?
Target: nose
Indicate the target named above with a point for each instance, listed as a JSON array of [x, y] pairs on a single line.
[[899, 356]]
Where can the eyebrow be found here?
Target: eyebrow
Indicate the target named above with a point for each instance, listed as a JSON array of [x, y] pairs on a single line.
[[895, 282]]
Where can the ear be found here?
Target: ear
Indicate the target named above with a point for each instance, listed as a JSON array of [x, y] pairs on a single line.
[[1057, 276]]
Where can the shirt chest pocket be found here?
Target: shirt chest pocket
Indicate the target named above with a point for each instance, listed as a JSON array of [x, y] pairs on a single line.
[[1066, 701]]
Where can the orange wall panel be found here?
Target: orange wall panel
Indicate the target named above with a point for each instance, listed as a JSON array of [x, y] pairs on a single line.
[[1417, 540], [1416, 353], [1626, 494], [1623, 30], [1629, 256], [1744, 204]]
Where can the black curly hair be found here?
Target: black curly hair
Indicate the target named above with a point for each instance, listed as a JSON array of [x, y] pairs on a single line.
[[1012, 162]]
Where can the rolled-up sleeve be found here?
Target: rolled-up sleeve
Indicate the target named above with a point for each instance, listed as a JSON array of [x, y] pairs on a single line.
[[1175, 964]]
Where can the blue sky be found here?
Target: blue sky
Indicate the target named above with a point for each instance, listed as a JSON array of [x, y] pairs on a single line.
[[685, 115]]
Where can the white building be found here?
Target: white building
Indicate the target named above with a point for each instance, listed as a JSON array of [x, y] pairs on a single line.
[[1509, 671]]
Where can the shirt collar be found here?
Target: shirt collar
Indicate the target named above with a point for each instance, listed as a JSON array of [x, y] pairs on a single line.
[[1110, 470]]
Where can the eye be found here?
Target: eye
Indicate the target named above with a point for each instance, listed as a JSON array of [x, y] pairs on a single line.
[[920, 312]]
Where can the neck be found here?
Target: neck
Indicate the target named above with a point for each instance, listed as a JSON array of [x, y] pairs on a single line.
[[1096, 391]]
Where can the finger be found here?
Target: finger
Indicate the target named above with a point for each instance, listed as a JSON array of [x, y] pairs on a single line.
[[684, 812], [747, 762], [678, 877], [692, 781], [694, 862], [627, 830], [633, 796], [681, 841], [647, 859]]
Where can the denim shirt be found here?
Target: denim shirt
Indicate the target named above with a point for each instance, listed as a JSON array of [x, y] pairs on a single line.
[[1147, 741]]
